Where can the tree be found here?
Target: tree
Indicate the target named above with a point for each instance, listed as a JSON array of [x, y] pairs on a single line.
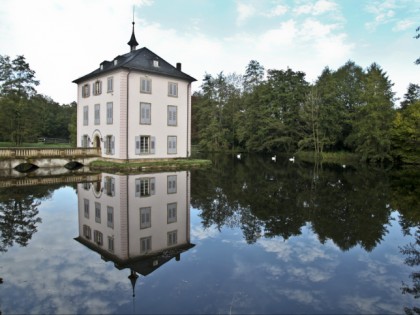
[[254, 75], [371, 133], [17, 77], [412, 95]]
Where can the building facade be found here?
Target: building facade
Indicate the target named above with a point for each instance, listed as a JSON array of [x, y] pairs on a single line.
[[138, 222], [137, 106]]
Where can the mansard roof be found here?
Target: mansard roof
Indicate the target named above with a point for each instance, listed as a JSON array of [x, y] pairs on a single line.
[[141, 59]]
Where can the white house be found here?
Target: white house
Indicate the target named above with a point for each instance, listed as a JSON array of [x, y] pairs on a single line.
[[136, 106], [139, 222]]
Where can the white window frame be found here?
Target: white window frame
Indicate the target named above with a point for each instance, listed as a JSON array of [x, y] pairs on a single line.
[[109, 145], [172, 209], [145, 113], [98, 237], [172, 238], [145, 244], [145, 85], [86, 208], [172, 144], [109, 113], [97, 114], [171, 184], [172, 115], [110, 217], [97, 212], [85, 115], [145, 217], [110, 84], [172, 89]]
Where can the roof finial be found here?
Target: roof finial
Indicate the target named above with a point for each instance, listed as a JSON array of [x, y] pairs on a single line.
[[133, 42]]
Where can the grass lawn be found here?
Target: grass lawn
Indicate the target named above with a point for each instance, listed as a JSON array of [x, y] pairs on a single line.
[[129, 167]]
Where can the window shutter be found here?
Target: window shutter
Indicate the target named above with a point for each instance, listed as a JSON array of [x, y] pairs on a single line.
[[112, 186], [152, 186], [82, 141], [137, 145], [112, 145], [106, 145], [148, 109], [152, 145], [137, 187]]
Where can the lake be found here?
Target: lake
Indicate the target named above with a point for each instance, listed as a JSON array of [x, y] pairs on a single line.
[[244, 236]]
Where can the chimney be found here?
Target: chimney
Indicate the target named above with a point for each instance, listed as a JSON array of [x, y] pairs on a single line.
[[178, 66]]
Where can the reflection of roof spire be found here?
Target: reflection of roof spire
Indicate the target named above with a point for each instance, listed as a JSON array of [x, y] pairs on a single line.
[[133, 42], [133, 278]]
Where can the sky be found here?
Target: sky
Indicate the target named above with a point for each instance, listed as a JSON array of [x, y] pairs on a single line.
[[63, 40]]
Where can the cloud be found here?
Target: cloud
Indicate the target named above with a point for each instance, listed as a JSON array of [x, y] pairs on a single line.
[[278, 10], [317, 8], [244, 10], [404, 25]]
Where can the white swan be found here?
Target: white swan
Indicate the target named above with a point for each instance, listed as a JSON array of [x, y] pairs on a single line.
[[292, 159], [238, 156], [274, 158]]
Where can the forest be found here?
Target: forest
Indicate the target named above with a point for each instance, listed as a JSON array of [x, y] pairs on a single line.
[[349, 109], [25, 115]]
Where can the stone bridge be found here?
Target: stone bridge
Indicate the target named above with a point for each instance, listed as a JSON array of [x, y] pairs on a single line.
[[13, 158]]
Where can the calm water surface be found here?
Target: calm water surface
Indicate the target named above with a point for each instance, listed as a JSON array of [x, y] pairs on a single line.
[[244, 236]]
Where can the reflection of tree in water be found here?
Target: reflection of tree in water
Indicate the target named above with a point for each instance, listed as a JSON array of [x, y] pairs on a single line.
[[19, 213], [412, 251], [278, 199]]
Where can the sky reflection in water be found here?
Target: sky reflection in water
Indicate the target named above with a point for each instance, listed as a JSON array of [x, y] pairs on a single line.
[[221, 274]]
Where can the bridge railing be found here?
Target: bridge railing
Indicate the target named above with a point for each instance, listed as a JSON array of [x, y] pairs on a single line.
[[48, 153]]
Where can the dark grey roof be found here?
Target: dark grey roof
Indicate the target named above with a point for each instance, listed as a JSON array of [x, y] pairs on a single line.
[[141, 60]]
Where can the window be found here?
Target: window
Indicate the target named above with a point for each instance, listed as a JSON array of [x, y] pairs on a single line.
[[110, 217], [171, 179], [145, 244], [86, 186], [98, 237], [85, 90], [85, 141], [155, 63], [85, 115], [110, 145], [86, 208], [110, 84], [145, 85], [97, 212], [145, 145], [87, 232], [97, 87], [109, 113], [172, 115], [97, 114], [171, 144], [173, 89], [145, 113], [110, 244], [171, 208], [145, 187], [109, 186], [145, 217], [172, 238]]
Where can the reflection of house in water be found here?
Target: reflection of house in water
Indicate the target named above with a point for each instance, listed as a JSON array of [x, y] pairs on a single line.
[[138, 221]]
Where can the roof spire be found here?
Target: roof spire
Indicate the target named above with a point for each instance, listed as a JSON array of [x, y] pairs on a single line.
[[133, 42]]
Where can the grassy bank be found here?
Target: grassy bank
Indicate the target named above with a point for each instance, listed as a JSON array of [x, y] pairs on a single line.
[[160, 165], [340, 158]]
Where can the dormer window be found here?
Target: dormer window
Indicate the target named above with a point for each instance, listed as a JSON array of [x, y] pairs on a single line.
[[97, 87], [156, 63], [115, 62]]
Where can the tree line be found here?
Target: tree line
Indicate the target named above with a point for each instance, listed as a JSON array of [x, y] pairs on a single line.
[[25, 115], [349, 109]]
